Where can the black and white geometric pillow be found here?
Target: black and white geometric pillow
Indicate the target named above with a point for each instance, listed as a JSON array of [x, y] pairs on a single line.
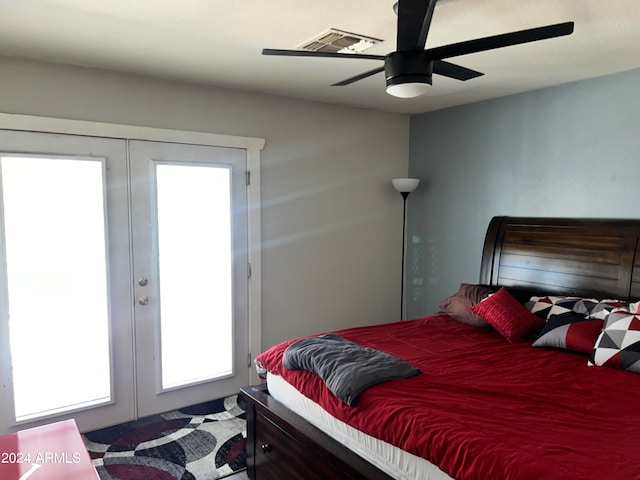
[[570, 331], [545, 307], [618, 345], [602, 308]]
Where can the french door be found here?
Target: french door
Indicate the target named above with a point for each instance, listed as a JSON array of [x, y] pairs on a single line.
[[123, 282], [190, 258]]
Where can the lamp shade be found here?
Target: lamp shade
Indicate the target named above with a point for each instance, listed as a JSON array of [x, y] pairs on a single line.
[[405, 185]]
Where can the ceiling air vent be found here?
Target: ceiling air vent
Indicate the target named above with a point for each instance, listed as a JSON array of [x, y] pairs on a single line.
[[342, 42]]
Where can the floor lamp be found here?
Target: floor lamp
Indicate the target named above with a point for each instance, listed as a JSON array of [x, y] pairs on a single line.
[[404, 186]]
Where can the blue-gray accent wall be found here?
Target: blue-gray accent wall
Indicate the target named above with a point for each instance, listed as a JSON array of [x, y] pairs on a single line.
[[572, 150]]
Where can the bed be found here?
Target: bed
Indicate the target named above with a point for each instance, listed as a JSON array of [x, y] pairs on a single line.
[[547, 390]]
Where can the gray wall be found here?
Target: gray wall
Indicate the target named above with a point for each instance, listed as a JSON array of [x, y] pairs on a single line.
[[331, 222], [572, 150]]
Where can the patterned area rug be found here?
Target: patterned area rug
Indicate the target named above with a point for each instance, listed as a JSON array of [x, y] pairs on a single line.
[[201, 442]]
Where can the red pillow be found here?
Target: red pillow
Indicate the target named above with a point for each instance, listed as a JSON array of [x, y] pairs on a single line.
[[508, 316]]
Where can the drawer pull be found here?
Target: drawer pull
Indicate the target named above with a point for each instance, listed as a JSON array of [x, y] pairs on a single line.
[[266, 448]]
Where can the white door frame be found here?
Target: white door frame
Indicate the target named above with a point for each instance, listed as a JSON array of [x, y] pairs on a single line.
[[112, 154], [144, 158], [252, 145]]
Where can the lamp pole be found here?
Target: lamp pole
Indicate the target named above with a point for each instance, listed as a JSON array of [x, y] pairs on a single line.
[[404, 186]]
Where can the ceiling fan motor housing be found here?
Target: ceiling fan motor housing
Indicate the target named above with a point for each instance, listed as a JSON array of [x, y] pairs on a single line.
[[411, 66]]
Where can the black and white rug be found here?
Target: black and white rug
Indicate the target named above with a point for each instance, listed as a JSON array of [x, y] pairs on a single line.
[[202, 442]]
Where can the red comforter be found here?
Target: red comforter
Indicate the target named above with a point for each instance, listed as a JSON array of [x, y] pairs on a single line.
[[485, 409]]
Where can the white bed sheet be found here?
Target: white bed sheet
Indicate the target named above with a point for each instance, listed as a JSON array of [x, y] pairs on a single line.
[[392, 460]]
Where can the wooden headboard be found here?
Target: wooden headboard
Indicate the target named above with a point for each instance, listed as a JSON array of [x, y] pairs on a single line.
[[564, 256]]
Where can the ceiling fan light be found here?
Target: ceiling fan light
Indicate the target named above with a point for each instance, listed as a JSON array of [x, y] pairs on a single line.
[[408, 90]]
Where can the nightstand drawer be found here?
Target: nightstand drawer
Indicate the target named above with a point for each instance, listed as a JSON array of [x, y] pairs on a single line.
[[280, 455], [283, 446]]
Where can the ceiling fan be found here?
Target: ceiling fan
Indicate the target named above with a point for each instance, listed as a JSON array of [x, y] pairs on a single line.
[[408, 70]]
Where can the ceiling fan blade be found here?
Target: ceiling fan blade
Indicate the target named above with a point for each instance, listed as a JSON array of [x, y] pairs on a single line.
[[350, 80], [414, 19], [451, 70], [499, 41], [308, 53]]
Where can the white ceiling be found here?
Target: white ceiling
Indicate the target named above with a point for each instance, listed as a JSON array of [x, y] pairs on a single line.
[[219, 42]]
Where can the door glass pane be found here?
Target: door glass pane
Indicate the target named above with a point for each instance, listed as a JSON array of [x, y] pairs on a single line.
[[57, 283], [195, 270]]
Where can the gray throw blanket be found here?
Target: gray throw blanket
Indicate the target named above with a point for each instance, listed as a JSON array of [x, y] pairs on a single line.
[[346, 368]]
